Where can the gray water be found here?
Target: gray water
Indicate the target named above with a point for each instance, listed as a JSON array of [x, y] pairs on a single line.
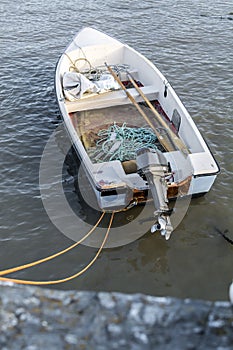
[[191, 43]]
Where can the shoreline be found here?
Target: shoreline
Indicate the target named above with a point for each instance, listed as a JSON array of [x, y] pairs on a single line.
[[34, 318]]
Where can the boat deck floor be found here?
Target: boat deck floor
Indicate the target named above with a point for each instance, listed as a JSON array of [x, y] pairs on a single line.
[[89, 123]]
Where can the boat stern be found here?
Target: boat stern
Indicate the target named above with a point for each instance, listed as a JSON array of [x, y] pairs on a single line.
[[205, 170]]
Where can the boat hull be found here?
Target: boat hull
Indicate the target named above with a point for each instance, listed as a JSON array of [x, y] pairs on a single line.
[[114, 188]]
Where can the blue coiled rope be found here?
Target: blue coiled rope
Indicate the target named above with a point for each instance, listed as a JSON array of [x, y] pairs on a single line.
[[122, 143]]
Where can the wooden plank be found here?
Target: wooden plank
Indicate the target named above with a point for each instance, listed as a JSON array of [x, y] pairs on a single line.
[[108, 99]]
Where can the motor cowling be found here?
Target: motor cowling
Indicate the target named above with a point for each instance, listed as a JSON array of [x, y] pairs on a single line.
[[153, 164]]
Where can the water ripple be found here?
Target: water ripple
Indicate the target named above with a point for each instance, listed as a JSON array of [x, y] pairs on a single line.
[[191, 43]]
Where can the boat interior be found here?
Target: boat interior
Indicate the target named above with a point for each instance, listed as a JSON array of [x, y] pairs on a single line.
[[112, 106], [118, 126]]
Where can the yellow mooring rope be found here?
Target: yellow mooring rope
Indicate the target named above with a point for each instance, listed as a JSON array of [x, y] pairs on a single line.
[[22, 267], [37, 262]]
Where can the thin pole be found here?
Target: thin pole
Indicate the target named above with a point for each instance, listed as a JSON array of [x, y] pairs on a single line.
[[168, 146], [174, 138]]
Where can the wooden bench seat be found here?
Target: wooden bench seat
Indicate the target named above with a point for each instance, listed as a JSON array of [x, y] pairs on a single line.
[[110, 98]]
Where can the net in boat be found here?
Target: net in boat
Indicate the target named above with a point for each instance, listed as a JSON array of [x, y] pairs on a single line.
[[122, 143]]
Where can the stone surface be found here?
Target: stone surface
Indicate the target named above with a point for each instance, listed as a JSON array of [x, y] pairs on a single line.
[[36, 318]]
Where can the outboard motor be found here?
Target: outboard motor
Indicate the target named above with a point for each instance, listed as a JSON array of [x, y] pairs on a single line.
[[154, 166]]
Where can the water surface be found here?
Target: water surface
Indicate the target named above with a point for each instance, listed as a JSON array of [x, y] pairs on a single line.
[[191, 43]]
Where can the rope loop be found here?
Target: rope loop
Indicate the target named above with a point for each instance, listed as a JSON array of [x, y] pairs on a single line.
[[22, 267], [122, 142]]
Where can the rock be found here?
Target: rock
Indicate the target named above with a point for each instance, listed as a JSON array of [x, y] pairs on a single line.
[[37, 318]]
